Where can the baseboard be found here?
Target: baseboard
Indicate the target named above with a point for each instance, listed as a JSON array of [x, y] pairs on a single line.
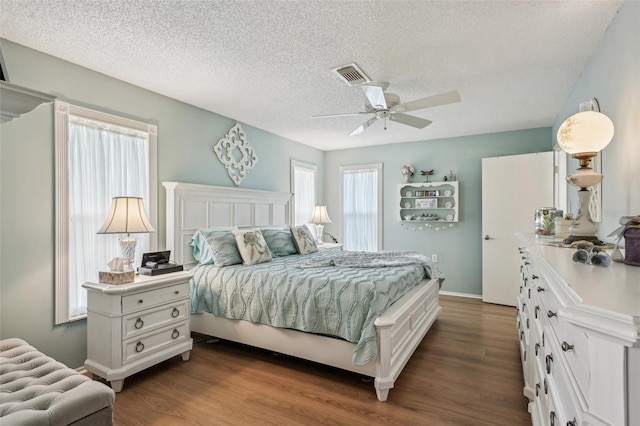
[[456, 294]]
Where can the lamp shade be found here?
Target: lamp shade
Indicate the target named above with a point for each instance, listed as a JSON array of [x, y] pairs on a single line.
[[320, 215], [588, 131], [127, 216]]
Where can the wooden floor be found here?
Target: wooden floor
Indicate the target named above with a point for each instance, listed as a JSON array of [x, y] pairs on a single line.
[[467, 371]]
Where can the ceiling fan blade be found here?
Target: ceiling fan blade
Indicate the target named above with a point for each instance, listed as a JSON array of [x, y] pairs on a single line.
[[363, 126], [410, 120], [428, 102], [375, 96], [344, 114]]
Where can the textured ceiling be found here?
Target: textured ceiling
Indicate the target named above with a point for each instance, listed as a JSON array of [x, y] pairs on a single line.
[[268, 63]]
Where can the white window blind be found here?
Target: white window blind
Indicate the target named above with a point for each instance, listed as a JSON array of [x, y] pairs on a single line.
[[99, 156]]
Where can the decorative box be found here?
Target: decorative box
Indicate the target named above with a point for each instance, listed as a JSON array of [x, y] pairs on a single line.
[[112, 277], [632, 245]]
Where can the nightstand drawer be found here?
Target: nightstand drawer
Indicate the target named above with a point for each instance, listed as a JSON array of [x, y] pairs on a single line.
[[151, 342], [141, 322], [147, 299]]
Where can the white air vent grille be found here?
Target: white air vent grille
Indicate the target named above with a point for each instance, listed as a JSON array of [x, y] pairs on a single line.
[[351, 74]]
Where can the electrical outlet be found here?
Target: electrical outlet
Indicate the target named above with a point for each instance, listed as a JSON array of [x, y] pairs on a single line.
[[434, 258]]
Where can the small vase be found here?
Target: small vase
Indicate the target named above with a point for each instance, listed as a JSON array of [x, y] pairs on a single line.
[[407, 178]]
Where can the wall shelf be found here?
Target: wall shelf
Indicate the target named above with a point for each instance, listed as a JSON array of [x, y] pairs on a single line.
[[428, 204]]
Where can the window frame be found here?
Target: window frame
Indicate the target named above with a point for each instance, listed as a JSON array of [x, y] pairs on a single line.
[[62, 112], [378, 167]]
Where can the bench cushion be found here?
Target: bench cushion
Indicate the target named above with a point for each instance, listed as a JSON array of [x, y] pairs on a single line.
[[37, 390]]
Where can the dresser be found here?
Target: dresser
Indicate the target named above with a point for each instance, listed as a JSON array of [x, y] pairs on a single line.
[[579, 332], [133, 326]]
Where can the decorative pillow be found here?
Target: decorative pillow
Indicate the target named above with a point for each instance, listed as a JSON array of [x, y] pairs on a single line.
[[279, 240], [224, 249], [252, 246], [201, 249], [303, 239]]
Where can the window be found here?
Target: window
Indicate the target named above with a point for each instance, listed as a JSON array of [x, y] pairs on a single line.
[[362, 207], [98, 156], [303, 186]]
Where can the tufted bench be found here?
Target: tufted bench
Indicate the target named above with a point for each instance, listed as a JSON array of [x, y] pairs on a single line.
[[38, 390]]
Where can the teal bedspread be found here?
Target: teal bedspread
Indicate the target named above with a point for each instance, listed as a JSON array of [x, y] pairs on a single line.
[[327, 292]]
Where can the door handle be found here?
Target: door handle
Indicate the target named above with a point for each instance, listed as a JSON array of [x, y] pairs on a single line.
[[487, 237]]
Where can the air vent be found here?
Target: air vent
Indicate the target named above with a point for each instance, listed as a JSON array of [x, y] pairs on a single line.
[[352, 75]]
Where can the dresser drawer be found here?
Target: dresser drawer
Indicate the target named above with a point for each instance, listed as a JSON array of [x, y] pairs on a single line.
[[574, 346], [141, 322], [153, 341], [155, 297]]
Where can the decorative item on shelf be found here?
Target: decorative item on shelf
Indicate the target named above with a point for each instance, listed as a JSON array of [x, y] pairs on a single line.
[[544, 221], [630, 230], [587, 253], [448, 204], [407, 171], [562, 225], [417, 225], [236, 154], [319, 217], [583, 135], [450, 177], [426, 174], [127, 216]]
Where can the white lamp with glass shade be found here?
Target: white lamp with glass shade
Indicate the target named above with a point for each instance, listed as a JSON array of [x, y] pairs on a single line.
[[320, 217], [127, 216], [583, 135]]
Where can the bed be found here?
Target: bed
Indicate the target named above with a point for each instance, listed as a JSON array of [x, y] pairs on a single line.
[[398, 329]]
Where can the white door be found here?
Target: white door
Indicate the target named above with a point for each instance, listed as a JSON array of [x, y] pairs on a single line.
[[513, 187]]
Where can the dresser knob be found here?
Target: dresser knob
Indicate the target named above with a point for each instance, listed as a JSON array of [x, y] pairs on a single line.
[[540, 289], [175, 333], [548, 361], [534, 277], [551, 314], [139, 347], [566, 347], [139, 323], [573, 422], [176, 292], [175, 312], [140, 301]]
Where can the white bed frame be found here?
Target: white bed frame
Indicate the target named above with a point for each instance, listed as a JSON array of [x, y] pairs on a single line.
[[400, 328]]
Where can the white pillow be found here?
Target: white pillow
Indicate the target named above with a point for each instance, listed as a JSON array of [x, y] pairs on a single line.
[[303, 239], [252, 246]]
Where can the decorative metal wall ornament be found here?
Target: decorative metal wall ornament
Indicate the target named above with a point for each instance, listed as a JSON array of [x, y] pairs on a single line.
[[236, 154]]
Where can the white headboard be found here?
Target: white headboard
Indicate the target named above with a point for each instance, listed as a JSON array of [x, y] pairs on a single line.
[[191, 207]]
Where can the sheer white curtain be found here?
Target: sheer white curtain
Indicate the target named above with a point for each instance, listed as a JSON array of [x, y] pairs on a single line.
[[360, 206], [304, 192], [104, 161]]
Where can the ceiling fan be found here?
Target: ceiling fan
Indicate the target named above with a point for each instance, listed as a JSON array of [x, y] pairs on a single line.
[[385, 106]]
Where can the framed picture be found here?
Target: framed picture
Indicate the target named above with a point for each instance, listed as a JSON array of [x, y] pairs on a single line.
[[427, 203]]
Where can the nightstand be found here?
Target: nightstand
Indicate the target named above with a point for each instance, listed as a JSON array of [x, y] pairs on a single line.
[[134, 326], [330, 246]]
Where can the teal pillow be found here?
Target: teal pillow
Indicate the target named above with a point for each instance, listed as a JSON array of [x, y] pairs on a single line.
[[202, 251], [224, 249], [279, 240]]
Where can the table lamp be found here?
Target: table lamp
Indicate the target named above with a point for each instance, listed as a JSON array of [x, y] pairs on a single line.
[[319, 217], [127, 216], [583, 135]]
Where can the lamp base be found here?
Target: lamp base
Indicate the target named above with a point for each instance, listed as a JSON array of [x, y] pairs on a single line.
[[589, 238], [319, 229], [128, 247]]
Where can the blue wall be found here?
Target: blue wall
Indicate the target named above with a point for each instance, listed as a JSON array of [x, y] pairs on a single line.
[[459, 248]]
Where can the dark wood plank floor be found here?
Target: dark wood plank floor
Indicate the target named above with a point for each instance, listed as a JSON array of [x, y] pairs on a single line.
[[467, 371]]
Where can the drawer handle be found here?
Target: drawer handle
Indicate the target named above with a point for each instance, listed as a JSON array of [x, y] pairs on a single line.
[[543, 339], [548, 361], [140, 301], [573, 422], [526, 263], [546, 386], [536, 311], [534, 277], [537, 348], [566, 347], [551, 314], [552, 418], [529, 294], [537, 389], [139, 347], [139, 324], [175, 334], [540, 289], [527, 323], [525, 356], [521, 335], [175, 312]]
